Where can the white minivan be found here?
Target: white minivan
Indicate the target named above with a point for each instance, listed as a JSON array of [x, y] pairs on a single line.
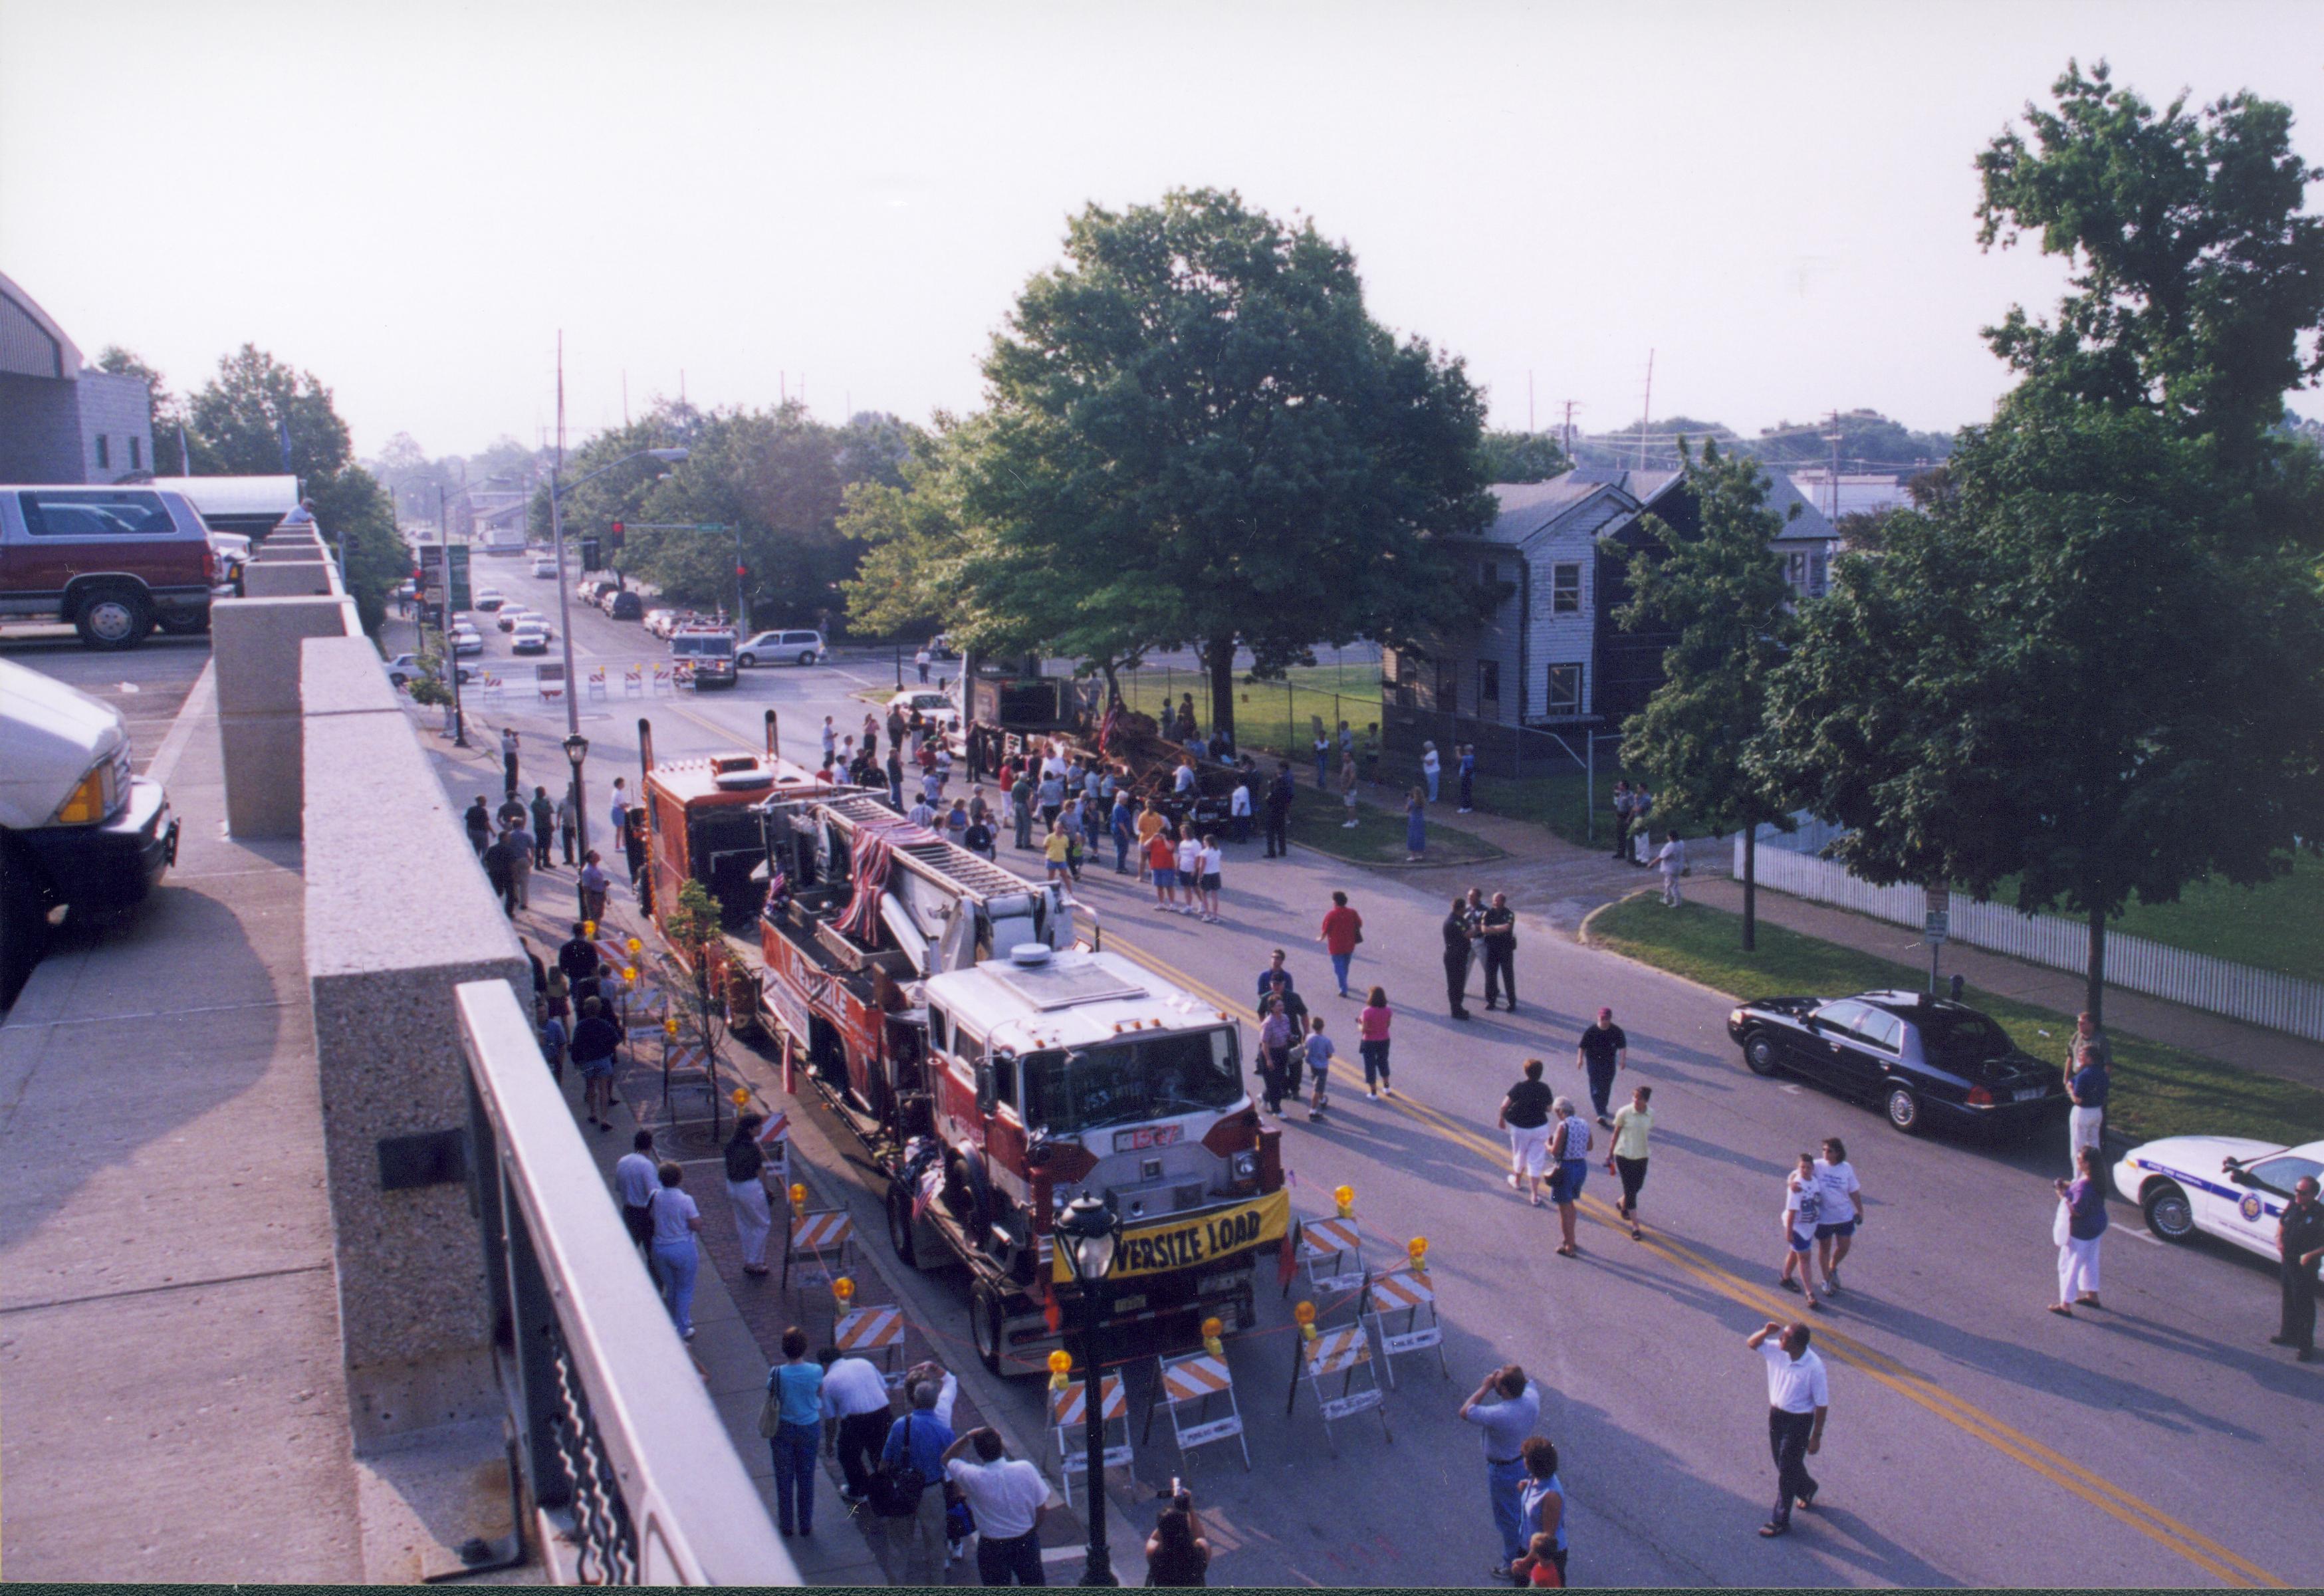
[[773, 647], [79, 829]]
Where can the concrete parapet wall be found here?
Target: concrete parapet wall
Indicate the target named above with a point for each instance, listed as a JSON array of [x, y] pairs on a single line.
[[254, 643], [397, 915], [286, 578]]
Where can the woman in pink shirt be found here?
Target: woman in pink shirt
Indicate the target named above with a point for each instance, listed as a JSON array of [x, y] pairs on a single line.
[[1371, 1042], [1342, 928]]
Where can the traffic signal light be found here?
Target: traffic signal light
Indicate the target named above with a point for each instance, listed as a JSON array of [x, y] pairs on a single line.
[[741, 572], [615, 536], [589, 561]]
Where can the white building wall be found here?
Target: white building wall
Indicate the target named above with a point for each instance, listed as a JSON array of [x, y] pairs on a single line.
[[1568, 638]]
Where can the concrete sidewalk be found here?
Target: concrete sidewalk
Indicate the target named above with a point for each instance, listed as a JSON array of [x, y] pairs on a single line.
[[169, 1312], [2270, 1052]]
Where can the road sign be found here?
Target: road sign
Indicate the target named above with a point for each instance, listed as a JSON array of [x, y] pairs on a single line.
[[431, 573], [1938, 926]]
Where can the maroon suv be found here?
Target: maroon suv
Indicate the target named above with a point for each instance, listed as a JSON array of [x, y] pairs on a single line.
[[114, 561]]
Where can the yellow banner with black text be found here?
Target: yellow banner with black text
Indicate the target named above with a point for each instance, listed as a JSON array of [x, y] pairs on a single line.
[[1195, 1241]]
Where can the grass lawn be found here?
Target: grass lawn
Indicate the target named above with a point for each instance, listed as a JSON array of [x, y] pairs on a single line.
[[1561, 803], [2158, 1090], [1379, 836], [1276, 716], [2276, 926]]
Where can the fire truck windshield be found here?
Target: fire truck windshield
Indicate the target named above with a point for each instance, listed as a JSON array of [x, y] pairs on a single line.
[[1144, 1077]]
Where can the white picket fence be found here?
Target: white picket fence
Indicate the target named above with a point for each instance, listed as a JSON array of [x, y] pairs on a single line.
[[2217, 986]]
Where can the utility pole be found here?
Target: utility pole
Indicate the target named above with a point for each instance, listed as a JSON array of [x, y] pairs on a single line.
[[1647, 409], [1832, 438], [1570, 406]]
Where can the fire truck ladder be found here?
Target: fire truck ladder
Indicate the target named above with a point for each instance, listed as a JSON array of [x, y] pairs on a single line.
[[934, 857]]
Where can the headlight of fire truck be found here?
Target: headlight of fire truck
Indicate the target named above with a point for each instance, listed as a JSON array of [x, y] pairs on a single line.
[[1246, 1166]]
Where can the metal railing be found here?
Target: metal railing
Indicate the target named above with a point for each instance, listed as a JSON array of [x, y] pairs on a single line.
[[619, 1444], [2135, 963]]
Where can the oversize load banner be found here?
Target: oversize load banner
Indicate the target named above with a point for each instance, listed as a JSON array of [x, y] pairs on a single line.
[[1189, 1244]]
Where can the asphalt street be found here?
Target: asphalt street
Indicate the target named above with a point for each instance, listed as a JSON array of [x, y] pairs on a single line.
[[1975, 1438]]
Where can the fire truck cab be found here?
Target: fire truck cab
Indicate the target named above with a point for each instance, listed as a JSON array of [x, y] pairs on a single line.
[[1056, 1074]]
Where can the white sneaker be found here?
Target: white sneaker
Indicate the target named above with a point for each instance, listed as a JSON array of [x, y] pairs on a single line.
[[1512, 1180]]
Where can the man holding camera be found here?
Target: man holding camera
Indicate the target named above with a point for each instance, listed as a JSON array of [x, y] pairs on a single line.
[[1505, 1406]]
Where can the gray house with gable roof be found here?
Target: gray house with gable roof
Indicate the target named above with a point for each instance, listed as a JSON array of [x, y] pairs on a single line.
[[1551, 656]]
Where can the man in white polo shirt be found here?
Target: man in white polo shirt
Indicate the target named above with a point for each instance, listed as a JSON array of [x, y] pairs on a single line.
[[1006, 1496], [1798, 1397]]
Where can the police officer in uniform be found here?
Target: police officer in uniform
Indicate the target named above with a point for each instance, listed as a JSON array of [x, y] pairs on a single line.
[[2300, 1238], [1458, 948]]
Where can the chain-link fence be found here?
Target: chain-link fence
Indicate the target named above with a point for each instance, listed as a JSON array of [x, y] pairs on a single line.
[[1282, 717]]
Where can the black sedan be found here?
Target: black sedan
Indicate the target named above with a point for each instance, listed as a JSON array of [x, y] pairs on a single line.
[[1923, 1059]]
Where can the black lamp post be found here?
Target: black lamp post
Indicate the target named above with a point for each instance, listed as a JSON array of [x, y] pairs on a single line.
[[577, 749], [1088, 1232]]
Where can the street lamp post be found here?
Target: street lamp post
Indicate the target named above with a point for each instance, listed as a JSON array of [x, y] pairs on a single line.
[[1088, 1232], [444, 615], [574, 740], [577, 749]]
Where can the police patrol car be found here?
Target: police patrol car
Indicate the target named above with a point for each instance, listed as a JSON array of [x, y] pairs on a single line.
[[2229, 1185]]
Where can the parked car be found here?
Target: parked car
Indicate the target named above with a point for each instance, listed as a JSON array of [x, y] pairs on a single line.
[[2228, 1186], [660, 622], [625, 605], [544, 565], [940, 647], [488, 599], [78, 827], [466, 640], [406, 668], [1923, 1059], [588, 588], [927, 700], [512, 615], [533, 637], [802, 648], [710, 653], [114, 561]]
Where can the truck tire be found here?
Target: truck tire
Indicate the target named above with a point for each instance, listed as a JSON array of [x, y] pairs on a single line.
[[114, 618], [901, 1223], [985, 1325]]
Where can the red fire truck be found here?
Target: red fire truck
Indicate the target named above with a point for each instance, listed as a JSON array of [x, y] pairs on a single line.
[[994, 1071]]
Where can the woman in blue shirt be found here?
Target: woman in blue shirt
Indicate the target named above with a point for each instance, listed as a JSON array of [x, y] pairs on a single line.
[[795, 1390], [2086, 1225]]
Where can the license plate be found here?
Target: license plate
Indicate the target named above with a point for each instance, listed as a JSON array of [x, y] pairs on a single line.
[[2028, 1093]]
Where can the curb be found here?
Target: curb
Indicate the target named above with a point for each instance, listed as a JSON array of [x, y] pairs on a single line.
[[1581, 936]]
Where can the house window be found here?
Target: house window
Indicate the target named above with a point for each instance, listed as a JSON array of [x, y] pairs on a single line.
[[1565, 590], [103, 452], [1489, 683], [136, 454], [1819, 573], [1448, 687], [1564, 695]]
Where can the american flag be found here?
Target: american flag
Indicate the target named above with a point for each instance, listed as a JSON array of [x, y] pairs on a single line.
[[1105, 727], [931, 1182]]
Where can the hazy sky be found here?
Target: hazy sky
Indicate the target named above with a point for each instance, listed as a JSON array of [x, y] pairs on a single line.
[[412, 198]]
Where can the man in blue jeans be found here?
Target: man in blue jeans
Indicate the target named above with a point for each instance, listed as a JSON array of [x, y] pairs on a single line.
[[1006, 1497], [1507, 1406]]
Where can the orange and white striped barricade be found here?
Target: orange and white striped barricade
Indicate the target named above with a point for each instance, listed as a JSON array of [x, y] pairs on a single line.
[[1191, 1385], [596, 681], [877, 1333], [685, 1065], [1340, 1358], [662, 686], [823, 1236], [1331, 1251], [495, 686], [1411, 1293], [1068, 1426], [633, 681]]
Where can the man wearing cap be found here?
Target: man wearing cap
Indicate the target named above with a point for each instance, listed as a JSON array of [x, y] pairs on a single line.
[[1602, 1052]]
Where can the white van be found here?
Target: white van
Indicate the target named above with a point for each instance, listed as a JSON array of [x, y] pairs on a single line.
[[78, 828], [804, 648]]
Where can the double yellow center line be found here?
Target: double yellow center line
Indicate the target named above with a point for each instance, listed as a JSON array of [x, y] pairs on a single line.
[[2191, 1544]]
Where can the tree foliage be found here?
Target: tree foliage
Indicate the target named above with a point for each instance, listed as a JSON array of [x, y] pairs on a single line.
[[1197, 436], [1721, 590], [1523, 456], [2092, 658], [779, 476]]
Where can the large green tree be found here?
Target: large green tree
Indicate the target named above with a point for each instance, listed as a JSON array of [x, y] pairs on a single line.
[[1197, 436], [2094, 661], [1523, 456], [259, 417], [1720, 589]]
